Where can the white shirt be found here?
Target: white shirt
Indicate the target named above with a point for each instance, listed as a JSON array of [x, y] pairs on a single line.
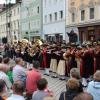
[[4, 77], [94, 89], [15, 97], [18, 73]]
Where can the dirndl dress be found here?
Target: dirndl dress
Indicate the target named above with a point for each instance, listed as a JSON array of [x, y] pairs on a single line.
[[53, 65], [61, 68]]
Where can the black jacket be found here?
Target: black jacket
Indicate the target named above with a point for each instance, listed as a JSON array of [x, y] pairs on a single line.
[[69, 95]]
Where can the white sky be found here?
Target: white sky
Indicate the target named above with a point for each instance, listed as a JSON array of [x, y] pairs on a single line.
[[3, 1]]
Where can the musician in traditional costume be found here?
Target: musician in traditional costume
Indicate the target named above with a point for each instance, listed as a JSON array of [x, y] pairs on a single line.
[[44, 57], [30, 53], [26, 55], [67, 58], [53, 63], [48, 60], [73, 63], [48, 56], [97, 58], [18, 53], [78, 58], [61, 65], [36, 56]]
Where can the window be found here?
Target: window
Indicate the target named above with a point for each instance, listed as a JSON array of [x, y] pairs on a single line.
[[18, 10], [45, 2], [1, 18], [14, 12], [18, 24], [55, 16], [73, 17], [72, 3], [91, 13], [11, 13], [14, 25], [82, 15], [50, 16], [45, 19], [38, 10], [61, 14]]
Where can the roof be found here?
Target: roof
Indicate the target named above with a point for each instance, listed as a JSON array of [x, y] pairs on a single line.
[[8, 6], [1, 7]]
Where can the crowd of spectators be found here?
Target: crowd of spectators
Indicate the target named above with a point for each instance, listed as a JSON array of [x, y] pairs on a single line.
[[19, 83]]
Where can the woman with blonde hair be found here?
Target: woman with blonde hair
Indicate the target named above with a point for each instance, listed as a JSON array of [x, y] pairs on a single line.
[[72, 90]]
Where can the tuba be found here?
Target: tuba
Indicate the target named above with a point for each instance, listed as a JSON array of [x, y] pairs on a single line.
[[38, 42]]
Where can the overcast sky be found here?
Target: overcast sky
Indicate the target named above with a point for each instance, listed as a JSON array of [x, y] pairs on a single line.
[[3, 1]]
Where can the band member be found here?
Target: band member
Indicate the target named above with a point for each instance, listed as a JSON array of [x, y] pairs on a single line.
[[61, 65], [48, 56], [30, 54], [26, 55], [88, 62], [44, 55], [97, 58], [18, 53], [36, 56], [67, 58], [73, 63], [53, 64], [78, 58]]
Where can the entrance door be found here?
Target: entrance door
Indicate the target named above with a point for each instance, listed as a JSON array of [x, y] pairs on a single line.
[[83, 36], [59, 38], [91, 35]]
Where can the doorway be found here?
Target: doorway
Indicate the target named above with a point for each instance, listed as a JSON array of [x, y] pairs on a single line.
[[91, 35]]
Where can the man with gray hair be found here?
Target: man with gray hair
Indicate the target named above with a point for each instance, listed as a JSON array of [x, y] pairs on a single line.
[[19, 73], [74, 73]]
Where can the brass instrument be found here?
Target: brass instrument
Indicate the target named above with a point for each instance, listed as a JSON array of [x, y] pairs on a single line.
[[24, 41], [38, 42]]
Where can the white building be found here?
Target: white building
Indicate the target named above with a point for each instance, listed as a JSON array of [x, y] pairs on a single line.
[[54, 20], [10, 17], [15, 20]]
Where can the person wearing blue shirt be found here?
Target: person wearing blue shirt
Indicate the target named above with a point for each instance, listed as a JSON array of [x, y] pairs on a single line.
[[94, 86]]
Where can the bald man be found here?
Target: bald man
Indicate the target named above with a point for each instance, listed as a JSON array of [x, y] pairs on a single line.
[[83, 96]]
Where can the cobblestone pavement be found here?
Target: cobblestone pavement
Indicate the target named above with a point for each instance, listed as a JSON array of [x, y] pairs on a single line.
[[56, 85]]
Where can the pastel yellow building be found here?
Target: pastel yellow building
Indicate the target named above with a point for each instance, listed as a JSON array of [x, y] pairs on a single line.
[[84, 16]]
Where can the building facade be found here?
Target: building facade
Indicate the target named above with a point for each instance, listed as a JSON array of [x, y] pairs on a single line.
[[54, 20], [10, 23], [84, 19], [31, 20]]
